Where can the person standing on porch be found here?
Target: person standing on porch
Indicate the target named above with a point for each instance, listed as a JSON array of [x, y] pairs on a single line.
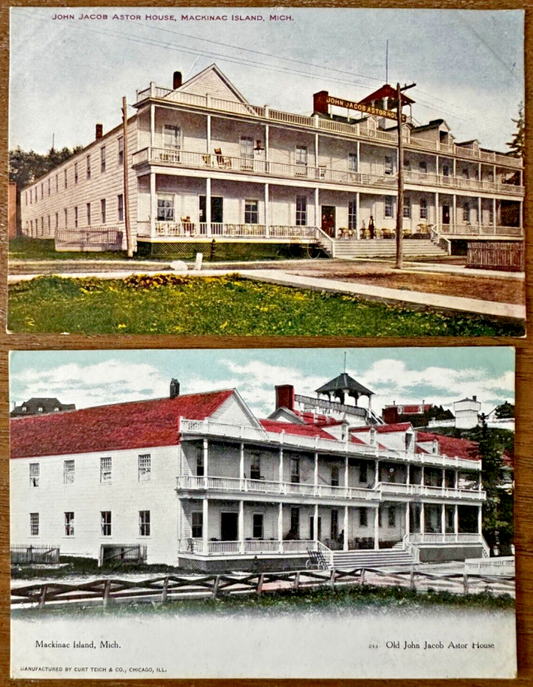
[[371, 227]]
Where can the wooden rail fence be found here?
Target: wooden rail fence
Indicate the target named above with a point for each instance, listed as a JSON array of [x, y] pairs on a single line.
[[171, 587], [496, 256]]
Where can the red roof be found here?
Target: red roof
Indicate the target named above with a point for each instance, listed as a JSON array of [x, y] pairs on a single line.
[[415, 408], [383, 429], [311, 419], [111, 428], [452, 447], [386, 91], [290, 428]]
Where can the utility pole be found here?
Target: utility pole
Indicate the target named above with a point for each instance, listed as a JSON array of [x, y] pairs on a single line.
[[399, 208], [126, 189]]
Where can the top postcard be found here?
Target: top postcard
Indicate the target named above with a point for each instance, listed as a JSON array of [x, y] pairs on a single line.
[[229, 171]]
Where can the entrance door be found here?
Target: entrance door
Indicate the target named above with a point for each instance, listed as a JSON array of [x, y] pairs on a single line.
[[328, 219], [312, 527], [216, 209], [445, 214], [229, 526]]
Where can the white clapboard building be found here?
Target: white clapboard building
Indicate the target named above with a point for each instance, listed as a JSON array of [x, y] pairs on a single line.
[[201, 482], [204, 164]]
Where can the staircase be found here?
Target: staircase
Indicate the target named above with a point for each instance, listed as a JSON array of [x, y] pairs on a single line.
[[350, 249], [369, 558]]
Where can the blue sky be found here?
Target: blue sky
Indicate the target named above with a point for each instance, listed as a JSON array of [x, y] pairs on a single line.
[[66, 75], [439, 375]]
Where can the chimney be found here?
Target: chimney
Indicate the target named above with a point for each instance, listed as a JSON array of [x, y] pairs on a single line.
[[474, 398], [285, 396], [99, 132], [177, 80], [174, 388]]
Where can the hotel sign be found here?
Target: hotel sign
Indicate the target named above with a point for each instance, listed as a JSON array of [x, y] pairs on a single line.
[[323, 99]]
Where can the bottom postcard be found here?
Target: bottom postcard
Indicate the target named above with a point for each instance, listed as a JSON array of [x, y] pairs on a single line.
[[280, 513]]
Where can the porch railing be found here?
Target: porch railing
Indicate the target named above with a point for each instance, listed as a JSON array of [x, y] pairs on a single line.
[[431, 179], [218, 229], [479, 230], [448, 538], [247, 546], [399, 488], [193, 428]]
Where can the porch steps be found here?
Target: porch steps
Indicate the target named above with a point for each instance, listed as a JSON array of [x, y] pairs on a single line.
[[384, 248], [386, 558]]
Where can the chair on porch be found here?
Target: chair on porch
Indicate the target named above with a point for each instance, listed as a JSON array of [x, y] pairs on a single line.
[[222, 160]]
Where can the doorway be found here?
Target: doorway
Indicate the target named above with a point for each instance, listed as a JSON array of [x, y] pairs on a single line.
[[217, 214], [229, 529], [445, 214], [312, 527], [328, 220]]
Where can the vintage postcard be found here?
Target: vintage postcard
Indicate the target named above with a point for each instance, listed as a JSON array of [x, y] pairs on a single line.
[[311, 513], [267, 171]]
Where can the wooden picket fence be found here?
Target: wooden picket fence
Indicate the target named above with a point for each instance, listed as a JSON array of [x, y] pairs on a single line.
[[508, 257], [169, 587]]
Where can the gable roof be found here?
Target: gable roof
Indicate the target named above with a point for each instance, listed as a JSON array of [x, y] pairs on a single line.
[[46, 404], [192, 84], [386, 91], [301, 430], [384, 429], [120, 426], [451, 446], [343, 382]]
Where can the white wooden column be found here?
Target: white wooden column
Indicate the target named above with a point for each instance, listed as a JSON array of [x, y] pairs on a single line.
[[205, 525], [479, 213], [437, 165], [267, 144], [153, 204], [376, 527], [346, 522], [206, 458], [456, 522], [494, 214], [316, 152], [454, 167], [480, 519], [208, 134], [267, 210], [443, 479], [376, 468], [280, 527], [456, 481], [317, 218], [315, 523], [152, 126], [407, 518], [280, 477], [408, 474], [241, 465], [443, 519], [437, 217], [208, 206], [241, 526], [357, 206], [422, 519], [346, 473], [454, 210], [315, 474]]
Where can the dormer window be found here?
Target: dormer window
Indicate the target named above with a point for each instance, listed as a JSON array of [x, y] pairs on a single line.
[[40, 409], [408, 441], [255, 466], [24, 409]]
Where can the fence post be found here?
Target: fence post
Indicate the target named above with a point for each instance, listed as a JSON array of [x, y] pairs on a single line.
[[362, 577], [42, 599], [215, 586], [465, 582], [107, 589], [332, 578], [297, 580], [412, 582], [164, 593], [260, 583]]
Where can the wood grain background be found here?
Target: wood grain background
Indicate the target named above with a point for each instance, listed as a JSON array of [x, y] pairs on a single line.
[[524, 348]]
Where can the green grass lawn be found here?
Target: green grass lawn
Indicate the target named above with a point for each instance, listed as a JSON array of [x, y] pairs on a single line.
[[225, 305], [44, 249]]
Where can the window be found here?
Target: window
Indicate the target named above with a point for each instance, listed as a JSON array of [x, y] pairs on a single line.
[[466, 213], [35, 473], [34, 524], [352, 214], [334, 475], [388, 164], [120, 207], [102, 159], [88, 159], [42, 190], [69, 524], [103, 212], [379, 516], [255, 466], [88, 214], [388, 206], [69, 468], [105, 469], [466, 173], [200, 468], [258, 522], [295, 523], [423, 166], [65, 178], [75, 172], [49, 225], [49, 180], [251, 212], [407, 208], [144, 523], [423, 208], [408, 441], [57, 220], [363, 517], [491, 213], [363, 472], [171, 136], [57, 183], [445, 171], [392, 516], [76, 217], [66, 217], [301, 156], [334, 524], [301, 211], [145, 467], [247, 151], [121, 150], [353, 163], [105, 523], [295, 470], [165, 208], [197, 525], [406, 163], [450, 525]]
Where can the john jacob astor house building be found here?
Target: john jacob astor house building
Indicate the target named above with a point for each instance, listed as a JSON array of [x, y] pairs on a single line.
[[204, 164], [199, 480]]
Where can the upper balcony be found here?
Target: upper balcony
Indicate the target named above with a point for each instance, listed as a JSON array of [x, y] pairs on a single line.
[[213, 162], [357, 130], [191, 429]]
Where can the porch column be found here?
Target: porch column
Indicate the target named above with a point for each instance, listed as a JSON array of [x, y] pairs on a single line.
[[267, 145], [280, 527], [407, 518], [208, 206], [345, 537], [206, 459], [454, 167], [422, 519], [377, 472], [241, 527], [479, 219], [316, 152], [443, 519], [443, 479], [208, 134], [456, 482], [408, 474], [494, 214], [317, 219], [267, 210], [423, 475], [454, 210], [456, 522], [205, 525], [437, 218], [376, 528], [315, 523], [153, 204], [241, 465], [357, 205], [480, 519], [521, 207], [437, 164], [346, 474], [152, 125], [280, 477], [315, 474]]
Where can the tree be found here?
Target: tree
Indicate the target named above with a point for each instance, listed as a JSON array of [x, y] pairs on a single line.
[[518, 143], [504, 410]]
